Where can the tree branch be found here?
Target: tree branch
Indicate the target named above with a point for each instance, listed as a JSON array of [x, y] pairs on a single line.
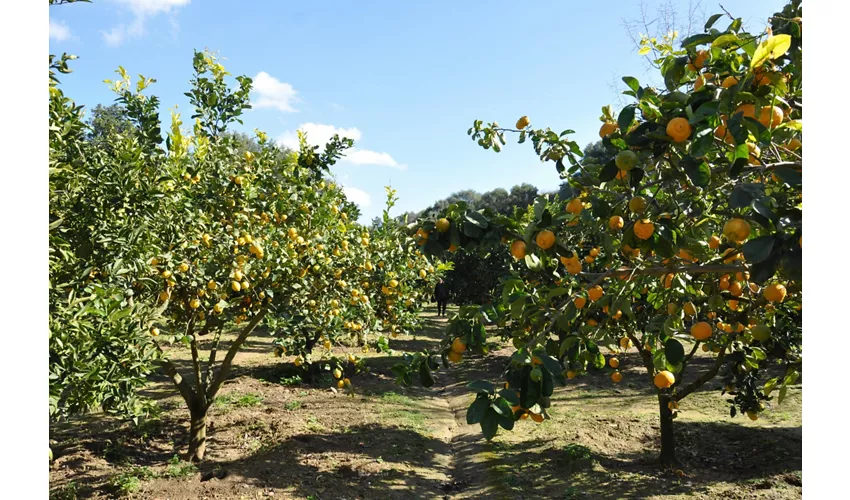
[[211, 361], [685, 363], [224, 371], [710, 374], [182, 385], [660, 271], [646, 356]]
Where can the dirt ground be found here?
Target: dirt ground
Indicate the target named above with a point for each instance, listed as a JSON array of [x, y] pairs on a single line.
[[272, 437]]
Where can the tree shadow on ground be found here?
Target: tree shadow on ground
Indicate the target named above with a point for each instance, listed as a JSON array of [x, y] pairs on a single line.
[[363, 461], [711, 453]]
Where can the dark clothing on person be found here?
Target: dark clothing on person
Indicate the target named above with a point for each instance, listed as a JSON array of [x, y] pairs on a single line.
[[441, 297]]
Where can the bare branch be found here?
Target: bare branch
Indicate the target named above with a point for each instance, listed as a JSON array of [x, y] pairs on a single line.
[[710, 374], [226, 364]]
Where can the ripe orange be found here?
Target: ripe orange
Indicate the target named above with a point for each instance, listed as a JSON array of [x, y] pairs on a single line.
[[794, 144], [771, 117], [616, 223], [721, 133], [729, 81], [575, 206], [733, 304], [664, 379], [518, 249], [536, 417], [592, 322], [755, 154], [589, 259], [622, 174], [644, 229], [458, 345], [736, 289], [595, 293], [614, 363], [749, 110], [700, 59], [679, 129], [522, 122], [742, 276], [686, 255], [594, 252], [736, 230], [714, 242], [571, 374], [579, 302], [443, 225], [545, 239], [690, 309], [607, 129], [455, 357], [775, 292], [616, 377]]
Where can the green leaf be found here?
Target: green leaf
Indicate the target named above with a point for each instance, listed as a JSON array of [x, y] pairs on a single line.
[[477, 409], [490, 423], [482, 386], [696, 170], [632, 82], [627, 116], [510, 396], [426, 378], [771, 48], [567, 344], [789, 175], [530, 390], [711, 20], [744, 194], [724, 40], [644, 50], [609, 171], [674, 351], [759, 249]]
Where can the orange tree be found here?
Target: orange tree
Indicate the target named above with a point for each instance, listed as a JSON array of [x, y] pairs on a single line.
[[686, 238], [359, 286], [181, 244]]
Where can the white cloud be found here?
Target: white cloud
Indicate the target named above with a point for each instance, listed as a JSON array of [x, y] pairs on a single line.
[[270, 92], [317, 135], [357, 196], [142, 10], [59, 31], [366, 157]]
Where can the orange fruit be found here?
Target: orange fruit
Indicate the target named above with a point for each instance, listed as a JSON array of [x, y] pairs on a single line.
[[794, 144], [742, 276], [686, 255], [595, 293], [724, 282], [729, 81], [522, 122], [637, 204], [571, 374], [443, 225], [622, 174], [614, 363], [736, 289], [518, 249], [607, 129], [775, 292], [594, 252], [721, 133], [755, 154], [736, 230], [575, 206], [690, 309], [616, 377], [545, 239], [679, 129], [579, 302], [664, 379], [458, 345], [733, 304], [700, 59], [592, 322], [536, 417], [749, 110], [616, 223], [714, 242], [771, 117], [455, 357], [644, 229], [589, 259]]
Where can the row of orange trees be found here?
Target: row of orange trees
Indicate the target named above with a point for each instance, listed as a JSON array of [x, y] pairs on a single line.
[[685, 241], [184, 238]]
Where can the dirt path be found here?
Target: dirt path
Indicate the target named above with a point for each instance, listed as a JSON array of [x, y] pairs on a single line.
[[272, 436]]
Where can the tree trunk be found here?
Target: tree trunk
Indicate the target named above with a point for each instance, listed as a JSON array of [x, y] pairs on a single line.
[[198, 435], [668, 441]]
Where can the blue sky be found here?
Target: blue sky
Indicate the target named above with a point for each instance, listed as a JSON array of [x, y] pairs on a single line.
[[405, 79]]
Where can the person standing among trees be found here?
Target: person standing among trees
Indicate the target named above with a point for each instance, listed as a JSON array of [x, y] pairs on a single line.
[[441, 297]]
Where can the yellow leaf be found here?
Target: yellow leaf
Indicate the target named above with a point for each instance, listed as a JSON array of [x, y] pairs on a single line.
[[644, 51], [771, 48]]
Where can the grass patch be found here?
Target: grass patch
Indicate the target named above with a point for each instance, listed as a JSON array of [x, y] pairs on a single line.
[[313, 425], [66, 492], [130, 481], [179, 468], [397, 399], [238, 401], [292, 405]]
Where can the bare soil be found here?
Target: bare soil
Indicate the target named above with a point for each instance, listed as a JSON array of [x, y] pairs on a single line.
[[269, 438]]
